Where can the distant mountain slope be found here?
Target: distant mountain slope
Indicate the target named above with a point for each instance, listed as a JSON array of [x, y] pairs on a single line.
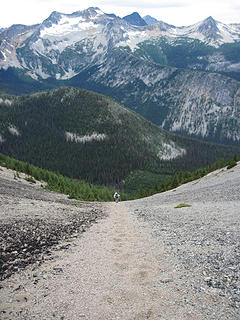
[[150, 20], [83, 134], [200, 104]]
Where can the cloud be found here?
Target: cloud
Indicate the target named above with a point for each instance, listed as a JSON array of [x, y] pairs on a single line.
[[142, 4], [176, 12]]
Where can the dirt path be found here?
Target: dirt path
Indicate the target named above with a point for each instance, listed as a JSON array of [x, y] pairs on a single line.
[[109, 273], [140, 259]]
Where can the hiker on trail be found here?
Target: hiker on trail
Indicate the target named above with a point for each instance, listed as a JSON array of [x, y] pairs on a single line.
[[116, 197]]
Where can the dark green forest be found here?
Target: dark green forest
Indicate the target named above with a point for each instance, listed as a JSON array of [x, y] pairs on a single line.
[[33, 129], [75, 189], [185, 54], [83, 191]]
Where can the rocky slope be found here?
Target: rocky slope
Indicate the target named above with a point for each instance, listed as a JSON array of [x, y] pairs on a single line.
[[203, 235], [145, 260], [34, 220]]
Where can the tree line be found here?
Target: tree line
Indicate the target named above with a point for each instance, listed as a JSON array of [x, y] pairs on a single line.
[[75, 189], [81, 190]]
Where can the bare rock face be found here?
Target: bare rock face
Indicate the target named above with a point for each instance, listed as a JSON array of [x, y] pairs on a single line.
[[209, 29], [199, 104]]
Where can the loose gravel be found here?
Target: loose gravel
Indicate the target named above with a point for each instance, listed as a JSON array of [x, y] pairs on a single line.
[[34, 220], [139, 260], [204, 238]]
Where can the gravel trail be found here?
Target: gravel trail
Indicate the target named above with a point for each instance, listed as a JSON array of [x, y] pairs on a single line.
[[139, 260], [109, 273]]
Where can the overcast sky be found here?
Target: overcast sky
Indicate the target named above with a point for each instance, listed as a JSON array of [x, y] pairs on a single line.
[[176, 12]]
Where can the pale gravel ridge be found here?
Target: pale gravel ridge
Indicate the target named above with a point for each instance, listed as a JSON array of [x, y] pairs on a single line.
[[143, 260], [204, 239]]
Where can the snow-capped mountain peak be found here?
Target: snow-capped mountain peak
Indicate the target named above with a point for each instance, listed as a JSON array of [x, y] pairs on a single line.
[[65, 44], [52, 19], [89, 13], [157, 66], [212, 32], [64, 30], [207, 29]]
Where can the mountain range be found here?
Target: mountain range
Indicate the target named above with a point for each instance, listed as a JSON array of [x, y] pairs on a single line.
[[184, 79]]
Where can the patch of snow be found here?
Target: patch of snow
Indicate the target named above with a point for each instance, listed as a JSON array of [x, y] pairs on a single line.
[[66, 26], [62, 36], [1, 139], [69, 74], [227, 33], [86, 138], [4, 56], [133, 38], [6, 101], [170, 151], [13, 130]]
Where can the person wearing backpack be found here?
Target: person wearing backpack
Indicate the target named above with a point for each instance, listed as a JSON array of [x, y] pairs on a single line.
[[116, 197]]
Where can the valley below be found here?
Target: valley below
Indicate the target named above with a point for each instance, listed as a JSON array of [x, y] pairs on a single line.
[[174, 255]]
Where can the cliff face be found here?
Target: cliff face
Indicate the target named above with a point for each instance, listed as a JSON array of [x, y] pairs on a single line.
[[210, 110], [200, 104]]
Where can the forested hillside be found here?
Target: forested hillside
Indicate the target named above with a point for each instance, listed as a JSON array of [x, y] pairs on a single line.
[[85, 135], [75, 189]]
